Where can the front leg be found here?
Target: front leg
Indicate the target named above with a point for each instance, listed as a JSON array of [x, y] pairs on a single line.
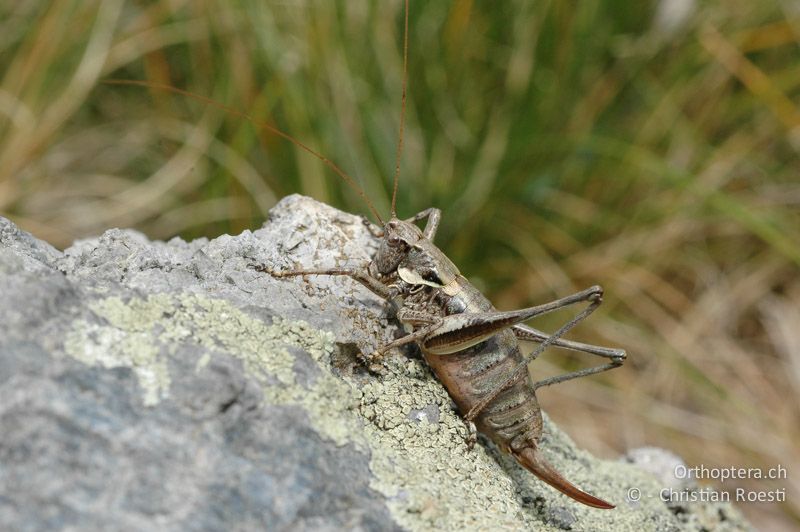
[[362, 275], [433, 215], [373, 229]]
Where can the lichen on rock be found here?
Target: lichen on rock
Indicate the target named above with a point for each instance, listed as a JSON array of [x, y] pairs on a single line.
[[173, 385]]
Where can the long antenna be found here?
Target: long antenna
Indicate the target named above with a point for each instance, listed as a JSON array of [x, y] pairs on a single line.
[[169, 88], [402, 115]]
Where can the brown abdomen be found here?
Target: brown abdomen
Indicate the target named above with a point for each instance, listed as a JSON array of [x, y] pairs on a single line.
[[512, 419]]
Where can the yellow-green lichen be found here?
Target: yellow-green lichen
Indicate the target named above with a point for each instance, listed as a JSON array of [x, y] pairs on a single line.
[[110, 347], [404, 419], [423, 466], [138, 333]]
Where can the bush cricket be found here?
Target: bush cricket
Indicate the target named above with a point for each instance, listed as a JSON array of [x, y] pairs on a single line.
[[472, 348]]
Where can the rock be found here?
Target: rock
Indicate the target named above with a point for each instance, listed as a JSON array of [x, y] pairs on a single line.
[[172, 386]]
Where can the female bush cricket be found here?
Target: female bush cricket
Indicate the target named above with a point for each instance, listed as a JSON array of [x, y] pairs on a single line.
[[471, 347]]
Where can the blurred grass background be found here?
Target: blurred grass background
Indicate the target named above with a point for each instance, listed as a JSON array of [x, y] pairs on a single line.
[[650, 147]]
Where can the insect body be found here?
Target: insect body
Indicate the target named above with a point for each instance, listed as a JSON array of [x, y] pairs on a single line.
[[472, 348]]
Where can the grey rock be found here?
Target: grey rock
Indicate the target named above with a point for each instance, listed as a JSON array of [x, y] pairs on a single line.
[[172, 386]]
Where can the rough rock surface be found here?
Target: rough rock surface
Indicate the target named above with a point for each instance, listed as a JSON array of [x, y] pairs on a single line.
[[150, 385]]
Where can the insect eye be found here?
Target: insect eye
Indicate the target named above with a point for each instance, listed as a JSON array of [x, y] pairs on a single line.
[[394, 240]]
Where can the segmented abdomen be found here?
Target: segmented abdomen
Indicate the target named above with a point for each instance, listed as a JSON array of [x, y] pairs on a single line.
[[513, 419]]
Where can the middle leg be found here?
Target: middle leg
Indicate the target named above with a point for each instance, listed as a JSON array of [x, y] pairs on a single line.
[[594, 297]]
